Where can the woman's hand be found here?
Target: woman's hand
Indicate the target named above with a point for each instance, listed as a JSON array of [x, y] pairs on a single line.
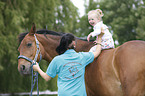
[[36, 67], [102, 31], [43, 74], [100, 36]]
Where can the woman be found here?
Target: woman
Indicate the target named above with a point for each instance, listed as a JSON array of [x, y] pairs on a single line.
[[69, 66]]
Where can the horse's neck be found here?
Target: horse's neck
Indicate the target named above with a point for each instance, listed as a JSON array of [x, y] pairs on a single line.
[[50, 43], [83, 46]]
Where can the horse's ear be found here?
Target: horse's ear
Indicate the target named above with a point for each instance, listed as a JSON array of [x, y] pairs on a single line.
[[33, 29]]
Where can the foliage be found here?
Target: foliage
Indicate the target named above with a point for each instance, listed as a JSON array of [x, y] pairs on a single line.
[[125, 18]]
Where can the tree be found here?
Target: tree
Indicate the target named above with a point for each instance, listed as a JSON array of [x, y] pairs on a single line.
[[140, 27]]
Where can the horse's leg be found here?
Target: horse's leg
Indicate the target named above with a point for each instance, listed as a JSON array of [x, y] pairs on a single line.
[[130, 62], [109, 74]]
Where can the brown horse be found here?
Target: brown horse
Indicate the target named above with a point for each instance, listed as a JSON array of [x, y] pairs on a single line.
[[116, 72]]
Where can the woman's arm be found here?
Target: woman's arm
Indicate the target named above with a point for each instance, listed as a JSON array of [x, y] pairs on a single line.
[[43, 74], [98, 47]]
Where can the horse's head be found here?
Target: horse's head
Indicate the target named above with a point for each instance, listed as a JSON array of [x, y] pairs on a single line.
[[29, 50]]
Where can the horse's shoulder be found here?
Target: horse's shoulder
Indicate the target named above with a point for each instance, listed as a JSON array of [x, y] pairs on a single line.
[[107, 54]]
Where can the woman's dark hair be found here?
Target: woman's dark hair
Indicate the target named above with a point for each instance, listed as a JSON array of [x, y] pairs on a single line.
[[65, 41]]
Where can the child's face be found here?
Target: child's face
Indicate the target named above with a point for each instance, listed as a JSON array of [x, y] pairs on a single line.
[[93, 20]]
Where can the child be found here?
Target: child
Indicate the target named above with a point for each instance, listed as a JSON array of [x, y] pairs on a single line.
[[95, 19]]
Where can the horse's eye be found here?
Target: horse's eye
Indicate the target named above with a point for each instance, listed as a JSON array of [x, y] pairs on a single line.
[[29, 44]]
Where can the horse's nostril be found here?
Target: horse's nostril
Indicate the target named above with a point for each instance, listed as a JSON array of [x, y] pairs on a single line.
[[23, 67]]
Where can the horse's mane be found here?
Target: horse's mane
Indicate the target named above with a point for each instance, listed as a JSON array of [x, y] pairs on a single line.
[[41, 31], [44, 31]]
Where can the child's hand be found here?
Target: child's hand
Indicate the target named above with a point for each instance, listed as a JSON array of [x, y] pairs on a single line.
[[88, 38], [95, 42]]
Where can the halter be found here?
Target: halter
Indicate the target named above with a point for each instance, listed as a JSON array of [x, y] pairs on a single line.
[[35, 75]]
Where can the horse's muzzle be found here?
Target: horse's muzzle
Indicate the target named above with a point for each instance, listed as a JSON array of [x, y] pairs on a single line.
[[24, 69]]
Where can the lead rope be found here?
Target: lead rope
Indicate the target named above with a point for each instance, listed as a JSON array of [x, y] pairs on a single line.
[[35, 74], [35, 77]]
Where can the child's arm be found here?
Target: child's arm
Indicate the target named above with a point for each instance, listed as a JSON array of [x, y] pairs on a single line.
[[102, 33], [97, 31], [88, 38]]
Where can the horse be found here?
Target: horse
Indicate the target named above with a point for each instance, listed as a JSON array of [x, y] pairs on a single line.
[[116, 72]]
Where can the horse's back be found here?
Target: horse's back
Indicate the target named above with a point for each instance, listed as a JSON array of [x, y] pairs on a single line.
[[130, 65], [118, 72], [101, 77]]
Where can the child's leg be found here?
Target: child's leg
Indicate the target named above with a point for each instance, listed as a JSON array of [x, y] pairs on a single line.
[[107, 43]]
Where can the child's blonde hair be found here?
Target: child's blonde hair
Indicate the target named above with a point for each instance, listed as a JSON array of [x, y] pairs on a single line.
[[98, 12]]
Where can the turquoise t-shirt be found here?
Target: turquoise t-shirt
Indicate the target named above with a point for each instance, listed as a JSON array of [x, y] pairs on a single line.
[[70, 68]]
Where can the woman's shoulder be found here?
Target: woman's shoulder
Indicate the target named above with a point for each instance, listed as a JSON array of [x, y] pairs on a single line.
[[58, 57], [85, 53]]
